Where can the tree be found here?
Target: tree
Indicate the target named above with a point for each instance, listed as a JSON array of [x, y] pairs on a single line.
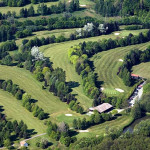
[[7, 143], [75, 125], [35, 52], [18, 95], [136, 111], [31, 11]]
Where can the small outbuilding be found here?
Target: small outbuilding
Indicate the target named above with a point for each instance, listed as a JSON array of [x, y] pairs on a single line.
[[134, 76], [105, 107], [23, 143]]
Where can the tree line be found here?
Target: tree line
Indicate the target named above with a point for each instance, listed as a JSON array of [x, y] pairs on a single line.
[[94, 119], [133, 58], [79, 56], [60, 133], [27, 102], [11, 131], [109, 8], [12, 30], [20, 3]]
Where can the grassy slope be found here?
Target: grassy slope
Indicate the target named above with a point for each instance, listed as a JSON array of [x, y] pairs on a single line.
[[17, 9], [58, 55], [100, 129], [51, 104], [46, 33], [143, 70], [107, 65], [14, 109]]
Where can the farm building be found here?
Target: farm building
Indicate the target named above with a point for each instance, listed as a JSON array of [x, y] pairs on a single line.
[[134, 76], [23, 143], [105, 107]]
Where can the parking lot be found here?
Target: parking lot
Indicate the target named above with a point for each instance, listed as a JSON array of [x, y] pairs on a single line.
[[137, 94]]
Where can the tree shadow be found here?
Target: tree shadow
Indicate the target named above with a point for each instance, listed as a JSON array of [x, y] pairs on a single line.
[[72, 84], [31, 132], [47, 115], [1, 108], [73, 133], [34, 101]]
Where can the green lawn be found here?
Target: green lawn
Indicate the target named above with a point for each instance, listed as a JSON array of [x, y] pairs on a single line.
[[14, 110], [100, 129], [106, 66], [58, 55], [46, 33], [46, 100], [17, 9], [142, 70]]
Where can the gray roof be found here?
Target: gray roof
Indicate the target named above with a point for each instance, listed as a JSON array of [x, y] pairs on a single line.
[[102, 108]]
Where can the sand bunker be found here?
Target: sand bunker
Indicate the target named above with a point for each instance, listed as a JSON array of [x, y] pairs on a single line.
[[121, 60], [102, 89], [83, 131], [119, 90], [68, 114], [83, 5], [116, 33]]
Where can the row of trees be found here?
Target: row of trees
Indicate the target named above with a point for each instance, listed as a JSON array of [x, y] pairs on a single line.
[[84, 69], [27, 102], [43, 9], [94, 119], [140, 108], [109, 8], [20, 3], [11, 131], [133, 58], [54, 79], [60, 133]]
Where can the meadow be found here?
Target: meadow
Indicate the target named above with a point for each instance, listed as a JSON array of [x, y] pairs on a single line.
[[142, 70], [58, 55], [106, 66]]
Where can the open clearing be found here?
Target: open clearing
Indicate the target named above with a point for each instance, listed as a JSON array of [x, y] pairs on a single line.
[[106, 66]]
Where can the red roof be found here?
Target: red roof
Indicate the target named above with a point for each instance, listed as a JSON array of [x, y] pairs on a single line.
[[134, 75]]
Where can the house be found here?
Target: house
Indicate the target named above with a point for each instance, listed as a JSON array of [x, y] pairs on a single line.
[[134, 76], [23, 143], [105, 107]]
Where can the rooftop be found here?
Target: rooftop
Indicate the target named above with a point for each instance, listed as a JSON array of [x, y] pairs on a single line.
[[102, 108]]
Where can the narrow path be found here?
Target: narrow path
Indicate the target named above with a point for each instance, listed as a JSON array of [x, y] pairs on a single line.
[[34, 137], [29, 139]]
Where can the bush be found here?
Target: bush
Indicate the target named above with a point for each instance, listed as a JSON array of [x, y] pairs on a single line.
[[133, 27]]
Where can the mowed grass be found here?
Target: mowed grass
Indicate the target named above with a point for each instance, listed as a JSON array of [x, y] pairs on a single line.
[[50, 103], [17, 9], [106, 66], [142, 70], [46, 33], [100, 130], [14, 110], [58, 55]]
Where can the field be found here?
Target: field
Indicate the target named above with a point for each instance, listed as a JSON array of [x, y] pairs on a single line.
[[46, 33], [46, 100], [142, 70], [100, 130], [14, 110], [58, 55], [106, 66], [17, 9]]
